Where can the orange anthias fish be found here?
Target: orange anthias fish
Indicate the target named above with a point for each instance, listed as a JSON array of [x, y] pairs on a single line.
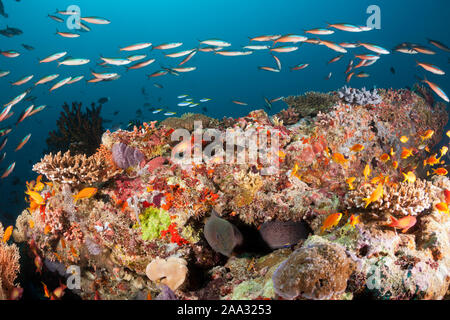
[[410, 177], [444, 151], [404, 139], [395, 164], [406, 153], [295, 171], [353, 221], [59, 292], [375, 196], [447, 196], [431, 161], [384, 157], [7, 234], [339, 158], [440, 171], [350, 181], [46, 292], [442, 207], [331, 221], [367, 172], [86, 193], [36, 197], [404, 223], [38, 263], [427, 135], [357, 147]]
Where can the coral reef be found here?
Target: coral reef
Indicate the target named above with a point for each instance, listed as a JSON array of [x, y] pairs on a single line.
[[78, 131], [9, 268], [359, 96], [272, 234]]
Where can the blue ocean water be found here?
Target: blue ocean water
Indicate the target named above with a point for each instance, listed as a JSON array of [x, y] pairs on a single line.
[[219, 78]]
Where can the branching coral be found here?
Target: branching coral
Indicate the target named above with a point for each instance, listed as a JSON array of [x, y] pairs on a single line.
[[9, 267], [398, 199], [75, 170], [78, 132]]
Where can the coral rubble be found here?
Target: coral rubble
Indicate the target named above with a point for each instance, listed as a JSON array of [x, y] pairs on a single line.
[[222, 228]]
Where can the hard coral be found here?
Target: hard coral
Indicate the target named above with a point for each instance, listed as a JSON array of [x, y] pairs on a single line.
[[171, 272], [319, 270], [75, 170], [78, 132], [403, 198]]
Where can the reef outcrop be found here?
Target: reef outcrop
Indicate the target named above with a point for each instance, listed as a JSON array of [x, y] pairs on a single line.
[[145, 224]]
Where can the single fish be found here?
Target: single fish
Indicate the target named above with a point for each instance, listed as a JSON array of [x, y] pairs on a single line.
[[135, 47], [23, 142], [167, 46], [74, 62], [436, 89], [320, 31], [331, 221], [269, 69], [300, 66], [431, 68], [60, 83], [8, 170], [376, 195], [95, 20], [284, 49], [439, 45], [345, 27], [67, 34], [404, 223], [215, 43], [116, 61], [86, 193], [22, 81], [266, 38], [53, 57], [180, 53], [47, 79], [233, 53]]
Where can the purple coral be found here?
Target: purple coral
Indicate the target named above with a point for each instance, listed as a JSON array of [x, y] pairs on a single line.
[[125, 156], [359, 96]]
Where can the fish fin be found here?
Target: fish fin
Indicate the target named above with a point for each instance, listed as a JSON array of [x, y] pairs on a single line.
[[393, 221]]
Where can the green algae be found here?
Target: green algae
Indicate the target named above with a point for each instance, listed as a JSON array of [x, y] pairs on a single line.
[[153, 221]]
